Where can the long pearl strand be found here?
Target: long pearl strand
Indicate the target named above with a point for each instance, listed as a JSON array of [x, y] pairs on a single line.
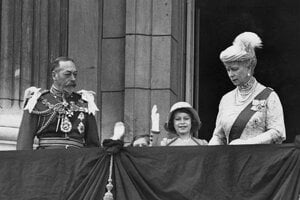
[[244, 92]]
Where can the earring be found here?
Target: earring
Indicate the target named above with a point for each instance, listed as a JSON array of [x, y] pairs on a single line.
[[248, 74]]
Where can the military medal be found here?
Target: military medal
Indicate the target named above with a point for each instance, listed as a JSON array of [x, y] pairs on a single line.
[[81, 116], [80, 126], [66, 125]]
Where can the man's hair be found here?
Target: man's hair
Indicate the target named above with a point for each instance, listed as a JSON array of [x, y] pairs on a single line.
[[55, 63]]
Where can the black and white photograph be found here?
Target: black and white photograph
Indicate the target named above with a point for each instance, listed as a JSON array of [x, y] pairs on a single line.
[[149, 99]]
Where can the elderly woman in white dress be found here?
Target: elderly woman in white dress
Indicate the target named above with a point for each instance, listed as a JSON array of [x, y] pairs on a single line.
[[251, 113]]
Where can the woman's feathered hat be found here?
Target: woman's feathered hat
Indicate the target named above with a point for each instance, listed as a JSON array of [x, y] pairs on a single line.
[[242, 48]]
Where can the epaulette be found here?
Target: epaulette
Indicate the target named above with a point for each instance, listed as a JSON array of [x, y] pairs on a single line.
[[88, 96], [31, 96]]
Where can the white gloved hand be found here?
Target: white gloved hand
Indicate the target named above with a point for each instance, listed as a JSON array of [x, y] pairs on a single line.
[[155, 119], [119, 130], [238, 142]]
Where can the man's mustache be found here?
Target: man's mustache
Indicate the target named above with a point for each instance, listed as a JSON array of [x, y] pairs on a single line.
[[71, 84]]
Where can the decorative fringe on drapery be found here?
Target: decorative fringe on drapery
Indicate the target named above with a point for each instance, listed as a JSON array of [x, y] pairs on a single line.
[[108, 195]]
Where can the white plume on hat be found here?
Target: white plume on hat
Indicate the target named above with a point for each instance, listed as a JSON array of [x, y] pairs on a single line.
[[247, 40], [242, 47]]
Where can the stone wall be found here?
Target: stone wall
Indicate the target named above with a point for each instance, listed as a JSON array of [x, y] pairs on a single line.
[[154, 61]]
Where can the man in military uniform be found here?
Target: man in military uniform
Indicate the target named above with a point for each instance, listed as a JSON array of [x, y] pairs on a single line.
[[59, 117]]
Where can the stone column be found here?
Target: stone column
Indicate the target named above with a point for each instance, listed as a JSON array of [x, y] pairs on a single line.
[[112, 65], [154, 62]]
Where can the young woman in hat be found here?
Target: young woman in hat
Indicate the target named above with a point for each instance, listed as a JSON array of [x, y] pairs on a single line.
[[251, 113], [184, 122]]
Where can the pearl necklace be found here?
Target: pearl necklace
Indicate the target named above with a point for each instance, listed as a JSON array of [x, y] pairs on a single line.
[[244, 92]]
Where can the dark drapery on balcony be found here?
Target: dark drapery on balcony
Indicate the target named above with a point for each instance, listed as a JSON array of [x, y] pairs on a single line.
[[154, 173]]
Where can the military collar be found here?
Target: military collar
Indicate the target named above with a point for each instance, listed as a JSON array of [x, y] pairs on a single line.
[[58, 93]]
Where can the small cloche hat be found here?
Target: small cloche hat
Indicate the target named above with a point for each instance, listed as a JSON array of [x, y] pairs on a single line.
[[196, 124]]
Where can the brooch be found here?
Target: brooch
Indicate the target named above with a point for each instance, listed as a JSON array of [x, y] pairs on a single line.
[[257, 105]]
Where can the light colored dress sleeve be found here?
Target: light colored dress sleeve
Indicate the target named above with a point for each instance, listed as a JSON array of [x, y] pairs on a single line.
[[275, 118]]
